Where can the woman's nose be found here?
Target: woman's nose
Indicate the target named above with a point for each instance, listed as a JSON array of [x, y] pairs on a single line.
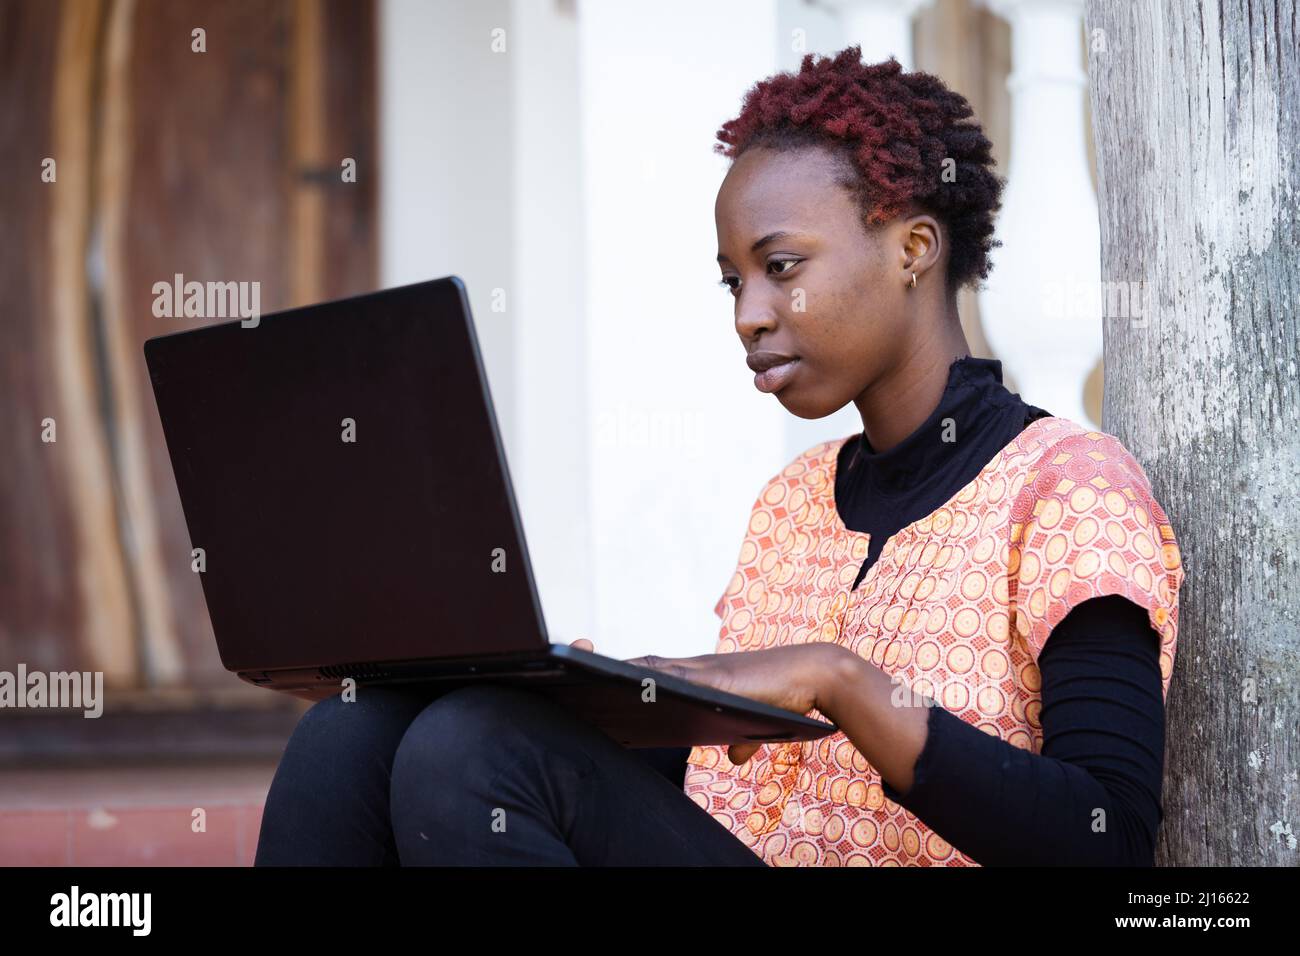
[[754, 316]]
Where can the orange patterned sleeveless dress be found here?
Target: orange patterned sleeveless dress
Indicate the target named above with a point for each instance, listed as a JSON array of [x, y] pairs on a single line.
[[957, 607]]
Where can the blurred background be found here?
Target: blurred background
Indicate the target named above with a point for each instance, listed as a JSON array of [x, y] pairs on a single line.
[[555, 154]]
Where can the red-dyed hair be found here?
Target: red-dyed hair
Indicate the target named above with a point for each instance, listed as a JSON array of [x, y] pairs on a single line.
[[895, 129]]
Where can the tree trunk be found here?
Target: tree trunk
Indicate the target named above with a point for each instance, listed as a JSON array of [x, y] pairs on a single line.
[[1196, 116]]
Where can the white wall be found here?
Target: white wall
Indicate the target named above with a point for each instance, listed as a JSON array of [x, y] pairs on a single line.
[[550, 458], [681, 440], [446, 146]]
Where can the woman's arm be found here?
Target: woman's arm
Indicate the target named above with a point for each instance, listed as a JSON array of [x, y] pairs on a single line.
[[1092, 797]]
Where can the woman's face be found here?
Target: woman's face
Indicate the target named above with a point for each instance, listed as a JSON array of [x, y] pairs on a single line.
[[811, 284]]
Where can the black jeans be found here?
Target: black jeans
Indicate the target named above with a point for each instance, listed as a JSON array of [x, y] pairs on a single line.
[[480, 775]]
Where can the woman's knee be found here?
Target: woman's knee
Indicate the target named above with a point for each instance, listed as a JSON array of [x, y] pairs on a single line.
[[328, 801], [467, 731], [372, 723], [346, 745]]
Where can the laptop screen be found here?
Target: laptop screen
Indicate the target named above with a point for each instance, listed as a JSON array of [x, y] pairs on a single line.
[[341, 468]]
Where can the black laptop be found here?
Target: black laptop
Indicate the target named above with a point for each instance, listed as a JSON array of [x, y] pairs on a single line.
[[341, 468]]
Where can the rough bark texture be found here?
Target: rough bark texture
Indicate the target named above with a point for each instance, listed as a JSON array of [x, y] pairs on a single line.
[[1196, 116]]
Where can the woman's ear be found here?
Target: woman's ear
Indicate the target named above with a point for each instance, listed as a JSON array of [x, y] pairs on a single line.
[[922, 244]]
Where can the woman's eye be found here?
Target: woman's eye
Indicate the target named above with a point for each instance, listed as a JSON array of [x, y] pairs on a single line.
[[775, 267]]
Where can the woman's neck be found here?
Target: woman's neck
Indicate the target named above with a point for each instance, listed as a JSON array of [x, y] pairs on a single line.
[[895, 405]]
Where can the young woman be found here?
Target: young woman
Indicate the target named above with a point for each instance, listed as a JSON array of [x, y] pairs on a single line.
[[982, 596]]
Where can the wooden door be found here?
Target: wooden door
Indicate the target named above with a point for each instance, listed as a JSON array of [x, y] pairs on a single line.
[[218, 155]]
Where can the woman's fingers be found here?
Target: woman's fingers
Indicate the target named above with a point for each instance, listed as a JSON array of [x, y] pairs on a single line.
[[685, 668], [700, 670], [583, 644]]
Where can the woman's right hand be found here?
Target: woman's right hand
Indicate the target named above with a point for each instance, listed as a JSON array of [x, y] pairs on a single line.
[[583, 644]]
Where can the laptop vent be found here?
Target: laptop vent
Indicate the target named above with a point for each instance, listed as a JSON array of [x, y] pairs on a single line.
[[355, 671]]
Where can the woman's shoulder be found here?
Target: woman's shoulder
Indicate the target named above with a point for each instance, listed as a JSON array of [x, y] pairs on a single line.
[[1085, 523], [1080, 480], [1065, 461]]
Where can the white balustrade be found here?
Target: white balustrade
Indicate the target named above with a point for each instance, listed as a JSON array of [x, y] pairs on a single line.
[[1041, 309], [881, 27]]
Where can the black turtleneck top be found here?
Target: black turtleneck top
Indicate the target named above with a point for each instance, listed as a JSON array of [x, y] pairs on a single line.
[[1092, 795]]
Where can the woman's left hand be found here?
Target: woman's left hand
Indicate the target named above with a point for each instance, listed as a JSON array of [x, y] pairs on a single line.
[[797, 678]]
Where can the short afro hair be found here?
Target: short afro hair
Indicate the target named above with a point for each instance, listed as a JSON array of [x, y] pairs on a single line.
[[898, 130]]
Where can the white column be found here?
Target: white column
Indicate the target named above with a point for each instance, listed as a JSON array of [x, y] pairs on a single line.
[[549, 458], [1041, 309], [680, 439], [882, 27], [445, 147]]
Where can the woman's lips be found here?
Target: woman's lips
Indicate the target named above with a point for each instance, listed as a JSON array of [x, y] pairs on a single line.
[[772, 369]]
